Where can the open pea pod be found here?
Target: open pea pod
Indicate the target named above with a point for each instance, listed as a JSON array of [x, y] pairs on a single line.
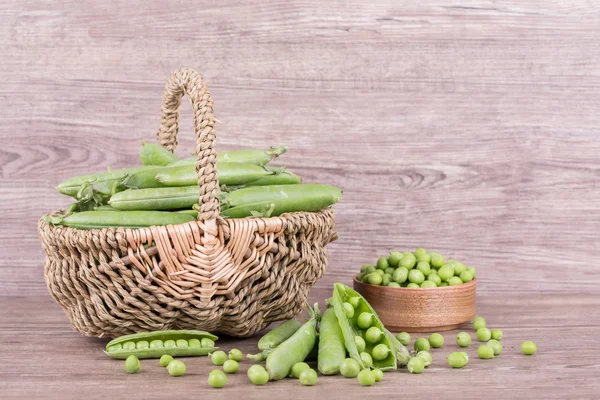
[[177, 343], [350, 328]]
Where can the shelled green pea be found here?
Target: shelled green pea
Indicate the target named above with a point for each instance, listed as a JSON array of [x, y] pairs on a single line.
[[416, 270]]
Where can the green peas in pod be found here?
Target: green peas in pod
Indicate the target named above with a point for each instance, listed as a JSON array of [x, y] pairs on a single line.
[[404, 338], [365, 320], [373, 334], [380, 352], [360, 343], [348, 309], [367, 360]]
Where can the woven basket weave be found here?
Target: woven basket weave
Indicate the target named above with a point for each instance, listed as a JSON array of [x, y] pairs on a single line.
[[233, 276]]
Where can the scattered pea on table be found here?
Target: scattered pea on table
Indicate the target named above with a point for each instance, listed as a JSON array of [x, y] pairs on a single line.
[[258, 375], [478, 323], [165, 359], [496, 345], [415, 365], [483, 334], [404, 338], [132, 365], [497, 334], [235, 355], [463, 339], [436, 340], [458, 359], [366, 377], [349, 368], [218, 357], [231, 366], [308, 377], [176, 368], [485, 352], [217, 378], [422, 344], [378, 374], [528, 347]]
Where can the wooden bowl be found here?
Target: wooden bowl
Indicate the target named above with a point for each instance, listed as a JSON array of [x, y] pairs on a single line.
[[421, 310]]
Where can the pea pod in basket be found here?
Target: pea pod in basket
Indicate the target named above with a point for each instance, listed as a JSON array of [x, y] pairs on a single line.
[[176, 343], [251, 156], [365, 336]]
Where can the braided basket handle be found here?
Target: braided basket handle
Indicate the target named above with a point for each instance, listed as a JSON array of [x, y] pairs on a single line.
[[186, 81]]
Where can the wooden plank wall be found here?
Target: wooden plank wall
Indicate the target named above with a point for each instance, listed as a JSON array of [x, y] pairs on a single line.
[[470, 127]]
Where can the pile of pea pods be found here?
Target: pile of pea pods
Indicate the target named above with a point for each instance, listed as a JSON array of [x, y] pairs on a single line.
[[347, 339]]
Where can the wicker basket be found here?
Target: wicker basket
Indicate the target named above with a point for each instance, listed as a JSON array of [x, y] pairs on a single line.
[[233, 276]]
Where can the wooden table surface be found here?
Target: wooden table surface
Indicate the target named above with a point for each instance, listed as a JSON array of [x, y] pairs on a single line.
[[469, 127]]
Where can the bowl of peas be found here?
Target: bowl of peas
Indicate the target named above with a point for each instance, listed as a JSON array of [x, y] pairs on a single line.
[[419, 291]]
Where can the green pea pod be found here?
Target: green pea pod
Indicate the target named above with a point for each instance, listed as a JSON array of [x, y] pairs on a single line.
[[260, 194], [154, 154], [124, 219], [332, 350], [262, 356], [167, 198], [350, 328], [103, 183], [402, 354], [180, 343], [310, 202], [283, 178], [251, 156], [229, 174], [295, 349], [279, 334]]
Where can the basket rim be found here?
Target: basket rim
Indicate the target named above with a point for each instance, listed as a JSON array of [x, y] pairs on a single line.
[[285, 217]]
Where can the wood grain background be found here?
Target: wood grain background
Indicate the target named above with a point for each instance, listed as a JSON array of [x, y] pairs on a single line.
[[470, 127]]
